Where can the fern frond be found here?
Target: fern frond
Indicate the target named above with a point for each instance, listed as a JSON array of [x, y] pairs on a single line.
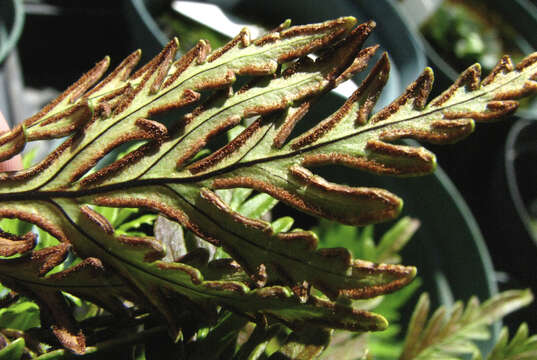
[[361, 242], [166, 175], [448, 334], [520, 347]]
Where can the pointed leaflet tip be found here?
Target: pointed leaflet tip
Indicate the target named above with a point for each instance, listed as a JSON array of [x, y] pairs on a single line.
[[397, 160], [359, 64], [526, 62], [152, 249], [346, 204], [154, 62], [424, 85], [198, 54], [370, 89], [504, 66], [90, 78], [348, 54], [97, 219], [414, 98], [348, 318], [469, 80], [350, 21], [494, 110], [284, 25], [378, 279], [119, 75], [243, 38], [416, 326], [164, 62], [75, 91]]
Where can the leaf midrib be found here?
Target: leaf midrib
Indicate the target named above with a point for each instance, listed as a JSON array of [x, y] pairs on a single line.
[[178, 141], [79, 192], [193, 288]]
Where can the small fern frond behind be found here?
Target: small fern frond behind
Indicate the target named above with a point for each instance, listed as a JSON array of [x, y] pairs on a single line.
[[520, 347], [448, 334]]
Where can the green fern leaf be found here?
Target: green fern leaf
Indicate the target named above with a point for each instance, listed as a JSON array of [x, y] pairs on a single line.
[[447, 335], [521, 347], [168, 174]]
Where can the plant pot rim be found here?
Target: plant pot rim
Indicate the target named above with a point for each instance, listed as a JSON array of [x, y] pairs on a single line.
[[14, 33], [522, 7], [511, 176]]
